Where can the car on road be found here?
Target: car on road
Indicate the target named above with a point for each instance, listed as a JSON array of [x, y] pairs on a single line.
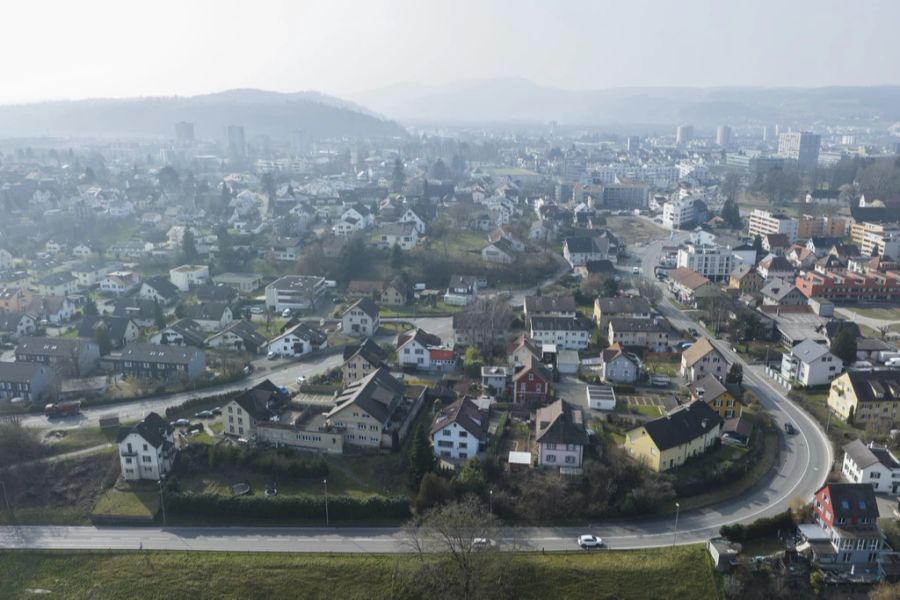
[[257, 310], [204, 414], [483, 543], [694, 332], [286, 313], [301, 379], [588, 542], [273, 355], [790, 429], [181, 423]]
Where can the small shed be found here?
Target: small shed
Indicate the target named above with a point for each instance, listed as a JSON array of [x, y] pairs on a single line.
[[519, 460], [724, 553], [567, 361], [601, 397]]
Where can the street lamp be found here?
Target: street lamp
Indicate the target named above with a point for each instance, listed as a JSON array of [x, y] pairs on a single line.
[[491, 500], [325, 481], [677, 509]]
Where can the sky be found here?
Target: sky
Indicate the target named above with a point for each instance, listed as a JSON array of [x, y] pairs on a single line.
[[101, 48]]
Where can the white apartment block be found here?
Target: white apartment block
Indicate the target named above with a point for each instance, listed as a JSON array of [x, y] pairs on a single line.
[[875, 466], [713, 262], [678, 213], [186, 276], [763, 222]]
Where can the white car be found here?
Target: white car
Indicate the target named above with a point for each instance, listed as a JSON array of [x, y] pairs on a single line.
[[483, 543], [286, 313], [301, 379], [588, 542]]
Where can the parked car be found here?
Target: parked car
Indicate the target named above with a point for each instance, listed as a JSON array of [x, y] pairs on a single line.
[[694, 332], [272, 355], [483, 543], [217, 411], [181, 423], [588, 542], [301, 379], [204, 414], [257, 310], [286, 313]]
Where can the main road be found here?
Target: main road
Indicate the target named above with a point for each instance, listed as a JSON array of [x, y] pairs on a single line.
[[804, 462]]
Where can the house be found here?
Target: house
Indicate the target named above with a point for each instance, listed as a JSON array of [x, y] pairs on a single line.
[[560, 435], [402, 235], [596, 267], [210, 316], [873, 466], [848, 515], [414, 349], [14, 299], [158, 289], [865, 397], [688, 286], [187, 276], [297, 340], [118, 283], [564, 332], [359, 214], [550, 306], [75, 358], [294, 292], [738, 430], [361, 319], [462, 291], [375, 411], [209, 293], [668, 442], [782, 293], [578, 250], [776, 267], [90, 274], [800, 257], [718, 396], [494, 379], [52, 309], [184, 332], [58, 284], [120, 330], [520, 352], [129, 249], [159, 363], [32, 382], [654, 334], [531, 384], [362, 359], [810, 364], [459, 431], [776, 243], [142, 312], [260, 404], [745, 279], [395, 292], [601, 397], [239, 336], [703, 359], [6, 259], [478, 327], [16, 324], [285, 249], [617, 366], [242, 282], [410, 216], [623, 307], [501, 251], [147, 450]]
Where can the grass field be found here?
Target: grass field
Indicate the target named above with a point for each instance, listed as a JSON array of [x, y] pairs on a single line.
[[634, 229], [116, 503], [882, 313], [682, 572]]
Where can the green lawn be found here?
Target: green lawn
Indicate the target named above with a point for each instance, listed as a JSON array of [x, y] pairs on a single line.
[[649, 411], [682, 572], [816, 403], [418, 310], [117, 503], [882, 313], [632, 229], [71, 440]]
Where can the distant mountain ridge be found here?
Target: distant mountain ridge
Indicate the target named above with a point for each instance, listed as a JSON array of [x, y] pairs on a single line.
[[260, 112], [516, 99]]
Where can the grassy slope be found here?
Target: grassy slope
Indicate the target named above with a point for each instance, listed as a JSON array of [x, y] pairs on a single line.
[[682, 572]]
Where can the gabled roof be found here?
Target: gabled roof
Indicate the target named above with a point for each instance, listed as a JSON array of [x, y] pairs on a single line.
[[560, 423], [422, 337], [657, 325], [51, 346], [188, 329], [698, 350], [19, 372], [244, 330], [624, 304], [880, 386], [369, 350], [852, 501], [153, 429], [776, 263], [743, 270], [533, 364], [378, 394], [707, 388], [163, 286], [304, 331], [521, 341], [778, 289], [464, 413], [808, 351], [157, 353], [263, 401], [560, 324], [115, 326], [207, 311], [682, 425], [367, 305], [549, 304], [586, 244], [9, 321], [688, 278]]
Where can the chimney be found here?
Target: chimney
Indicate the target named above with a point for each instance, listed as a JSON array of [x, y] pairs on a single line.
[[703, 423]]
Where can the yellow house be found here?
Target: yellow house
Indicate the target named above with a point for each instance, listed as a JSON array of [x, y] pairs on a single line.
[[361, 360], [745, 279], [866, 396], [667, 442], [717, 396]]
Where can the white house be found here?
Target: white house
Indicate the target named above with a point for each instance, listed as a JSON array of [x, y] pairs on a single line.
[[570, 334], [294, 292], [403, 235], [118, 283], [414, 349], [147, 450], [361, 214], [495, 379], [361, 319], [298, 340], [810, 364], [462, 291], [158, 289], [579, 250], [409, 216], [875, 466], [500, 251], [618, 367], [187, 276], [459, 431]]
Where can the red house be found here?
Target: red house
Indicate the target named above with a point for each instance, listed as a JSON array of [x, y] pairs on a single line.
[[531, 385], [848, 513]]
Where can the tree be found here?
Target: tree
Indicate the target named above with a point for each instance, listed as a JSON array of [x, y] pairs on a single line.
[[472, 362], [609, 287], [844, 346], [168, 178], [226, 256], [189, 254], [650, 291], [730, 186], [396, 257], [268, 183], [758, 247], [433, 490], [226, 196], [159, 319], [735, 374], [398, 177], [448, 564], [420, 457], [90, 308], [101, 336], [439, 170], [731, 214]]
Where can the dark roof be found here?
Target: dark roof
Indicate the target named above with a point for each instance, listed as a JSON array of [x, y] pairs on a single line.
[[861, 454], [367, 305], [596, 267], [305, 331], [624, 304], [584, 244], [740, 426], [466, 415], [163, 286], [425, 339], [852, 501], [262, 401], [16, 372], [560, 423], [777, 240], [246, 331], [378, 394], [115, 326], [153, 429], [835, 326], [130, 307], [57, 279], [879, 386], [156, 353], [49, 346], [371, 352], [777, 263], [206, 311], [534, 364], [188, 329], [548, 304], [626, 324], [9, 321], [824, 241], [560, 324], [214, 292], [682, 425]]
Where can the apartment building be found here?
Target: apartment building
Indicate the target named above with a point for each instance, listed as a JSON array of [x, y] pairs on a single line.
[[294, 292], [851, 287], [764, 222], [712, 261]]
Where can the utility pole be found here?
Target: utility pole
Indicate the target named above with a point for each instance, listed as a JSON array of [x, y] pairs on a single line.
[[491, 500], [677, 509], [325, 481], [6, 498], [162, 501]]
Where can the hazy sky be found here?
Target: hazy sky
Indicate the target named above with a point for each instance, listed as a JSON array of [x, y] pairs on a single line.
[[94, 48]]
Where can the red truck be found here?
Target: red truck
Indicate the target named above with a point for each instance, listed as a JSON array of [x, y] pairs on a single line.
[[62, 409]]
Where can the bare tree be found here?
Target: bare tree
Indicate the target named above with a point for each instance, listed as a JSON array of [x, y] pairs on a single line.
[[457, 552]]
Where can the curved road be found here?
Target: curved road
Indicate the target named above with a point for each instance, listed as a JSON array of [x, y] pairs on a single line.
[[804, 463]]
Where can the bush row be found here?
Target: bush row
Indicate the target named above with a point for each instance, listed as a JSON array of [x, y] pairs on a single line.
[[282, 462], [186, 408], [340, 508], [758, 528]]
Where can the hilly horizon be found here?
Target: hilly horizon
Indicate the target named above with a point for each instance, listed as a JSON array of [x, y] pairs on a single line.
[[261, 112], [520, 100]]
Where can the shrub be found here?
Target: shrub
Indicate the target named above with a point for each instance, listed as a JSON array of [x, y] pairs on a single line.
[[344, 508], [758, 528]]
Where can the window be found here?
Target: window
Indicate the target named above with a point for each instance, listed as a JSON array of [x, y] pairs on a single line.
[[146, 459], [570, 460], [551, 458]]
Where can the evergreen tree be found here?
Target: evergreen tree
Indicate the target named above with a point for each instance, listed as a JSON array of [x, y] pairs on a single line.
[[396, 257], [101, 336], [758, 247], [735, 374], [90, 308], [398, 177], [189, 254], [844, 346], [159, 319], [731, 214], [420, 457], [226, 196], [226, 257]]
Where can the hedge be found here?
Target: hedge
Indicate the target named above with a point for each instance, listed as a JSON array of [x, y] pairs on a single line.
[[282, 462], [759, 528], [340, 508]]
